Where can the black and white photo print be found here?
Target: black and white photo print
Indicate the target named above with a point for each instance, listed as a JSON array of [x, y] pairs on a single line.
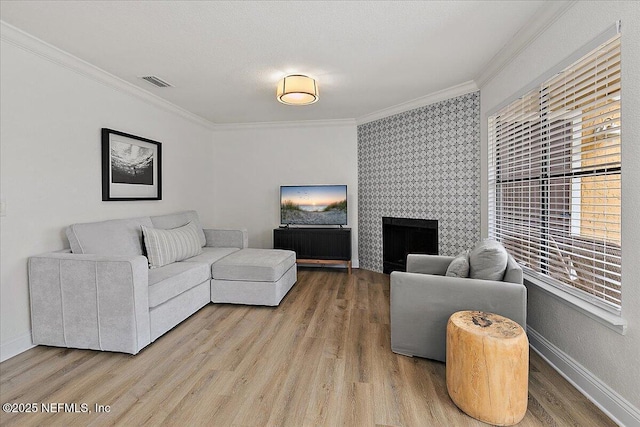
[[131, 167]]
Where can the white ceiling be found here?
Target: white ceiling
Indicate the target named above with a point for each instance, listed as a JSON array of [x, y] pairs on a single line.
[[225, 58]]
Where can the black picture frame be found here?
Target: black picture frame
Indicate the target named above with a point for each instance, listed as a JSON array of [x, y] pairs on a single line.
[[131, 167]]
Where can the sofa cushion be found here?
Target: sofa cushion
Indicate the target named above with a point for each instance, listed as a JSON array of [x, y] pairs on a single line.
[[459, 267], [173, 279], [168, 246], [179, 219], [211, 255], [114, 237], [256, 265], [488, 260]]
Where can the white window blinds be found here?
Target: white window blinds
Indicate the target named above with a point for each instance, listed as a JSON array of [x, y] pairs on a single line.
[[555, 175]]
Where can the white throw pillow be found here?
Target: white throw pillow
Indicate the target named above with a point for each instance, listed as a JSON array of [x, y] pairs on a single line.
[[459, 267], [167, 246], [488, 260]]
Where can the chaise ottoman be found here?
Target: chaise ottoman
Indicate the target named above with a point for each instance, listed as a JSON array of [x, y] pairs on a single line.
[[253, 276]]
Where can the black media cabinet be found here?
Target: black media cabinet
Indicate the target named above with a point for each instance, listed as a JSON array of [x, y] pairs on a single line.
[[316, 245]]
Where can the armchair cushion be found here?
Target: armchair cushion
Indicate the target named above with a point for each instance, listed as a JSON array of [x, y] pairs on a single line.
[[459, 267], [488, 260]]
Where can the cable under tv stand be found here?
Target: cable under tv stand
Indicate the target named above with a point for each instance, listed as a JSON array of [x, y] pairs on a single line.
[[316, 245]]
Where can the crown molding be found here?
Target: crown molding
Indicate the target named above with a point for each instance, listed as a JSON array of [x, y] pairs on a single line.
[[452, 92], [523, 38], [34, 45], [283, 125], [543, 19]]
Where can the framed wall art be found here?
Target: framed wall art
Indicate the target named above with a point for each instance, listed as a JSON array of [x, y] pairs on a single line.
[[131, 167]]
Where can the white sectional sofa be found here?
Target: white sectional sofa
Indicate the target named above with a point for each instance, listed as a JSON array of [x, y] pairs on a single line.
[[102, 295]]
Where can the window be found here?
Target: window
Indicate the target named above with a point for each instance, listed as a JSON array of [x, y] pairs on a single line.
[[555, 178]]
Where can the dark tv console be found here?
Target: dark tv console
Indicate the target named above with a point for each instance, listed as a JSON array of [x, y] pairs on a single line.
[[316, 245]]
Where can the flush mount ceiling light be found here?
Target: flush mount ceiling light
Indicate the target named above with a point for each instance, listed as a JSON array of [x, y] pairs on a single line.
[[297, 89]]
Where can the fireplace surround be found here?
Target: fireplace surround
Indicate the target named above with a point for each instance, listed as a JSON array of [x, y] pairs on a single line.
[[402, 236]]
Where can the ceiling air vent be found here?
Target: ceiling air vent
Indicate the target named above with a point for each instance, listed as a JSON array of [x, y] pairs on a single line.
[[156, 81]]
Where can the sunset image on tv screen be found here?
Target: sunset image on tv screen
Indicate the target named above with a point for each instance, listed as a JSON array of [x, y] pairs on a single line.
[[319, 205]]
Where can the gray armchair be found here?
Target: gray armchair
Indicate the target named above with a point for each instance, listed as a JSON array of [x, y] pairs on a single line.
[[423, 299]]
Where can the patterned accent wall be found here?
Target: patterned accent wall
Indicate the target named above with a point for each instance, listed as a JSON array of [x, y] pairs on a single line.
[[425, 164]]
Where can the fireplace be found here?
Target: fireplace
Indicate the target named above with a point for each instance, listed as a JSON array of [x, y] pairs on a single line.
[[402, 236]]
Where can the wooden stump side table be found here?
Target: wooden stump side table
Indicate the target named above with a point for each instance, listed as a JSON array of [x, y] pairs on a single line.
[[488, 367]]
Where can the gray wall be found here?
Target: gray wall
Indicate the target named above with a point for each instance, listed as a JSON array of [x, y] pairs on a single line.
[[423, 163], [50, 163], [262, 157], [610, 357]]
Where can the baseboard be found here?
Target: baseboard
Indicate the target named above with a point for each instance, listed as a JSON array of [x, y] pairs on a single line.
[[15, 346], [605, 398]]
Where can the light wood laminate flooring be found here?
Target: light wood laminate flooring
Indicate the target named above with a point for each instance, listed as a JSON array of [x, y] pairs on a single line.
[[322, 358]]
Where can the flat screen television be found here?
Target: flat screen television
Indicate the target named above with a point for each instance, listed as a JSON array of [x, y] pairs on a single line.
[[313, 204]]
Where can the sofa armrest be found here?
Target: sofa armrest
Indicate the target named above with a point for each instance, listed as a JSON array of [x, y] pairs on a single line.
[[421, 305], [90, 301], [428, 264], [222, 238]]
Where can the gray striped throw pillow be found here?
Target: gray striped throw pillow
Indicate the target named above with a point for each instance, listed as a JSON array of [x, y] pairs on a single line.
[[167, 246]]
